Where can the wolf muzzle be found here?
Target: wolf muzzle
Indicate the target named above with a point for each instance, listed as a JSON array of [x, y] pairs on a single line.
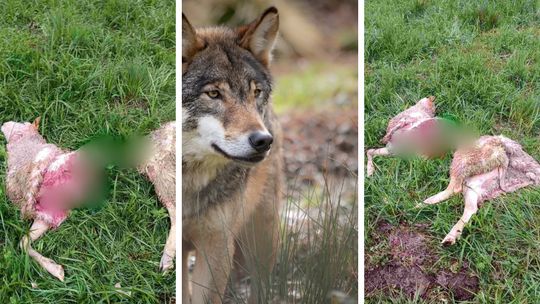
[[260, 141]]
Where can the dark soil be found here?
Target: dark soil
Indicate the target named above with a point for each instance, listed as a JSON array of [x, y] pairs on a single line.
[[318, 144], [461, 284], [408, 267]]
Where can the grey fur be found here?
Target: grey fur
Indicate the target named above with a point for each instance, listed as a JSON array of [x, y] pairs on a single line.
[[229, 182], [223, 60], [231, 192]]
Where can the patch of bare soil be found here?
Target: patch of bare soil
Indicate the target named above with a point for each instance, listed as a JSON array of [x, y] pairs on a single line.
[[319, 144], [408, 267]]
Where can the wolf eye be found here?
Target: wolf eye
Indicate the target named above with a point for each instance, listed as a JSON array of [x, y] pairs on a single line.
[[214, 94], [257, 93]]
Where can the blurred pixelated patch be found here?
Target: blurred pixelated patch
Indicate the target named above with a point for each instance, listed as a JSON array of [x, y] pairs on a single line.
[[103, 154], [432, 138]]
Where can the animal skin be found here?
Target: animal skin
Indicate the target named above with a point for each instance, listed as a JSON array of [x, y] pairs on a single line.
[[413, 131], [46, 182], [486, 154], [160, 168], [494, 166], [231, 157]]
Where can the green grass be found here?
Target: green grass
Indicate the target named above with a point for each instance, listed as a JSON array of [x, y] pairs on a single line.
[[318, 253], [482, 61], [89, 68], [316, 85]]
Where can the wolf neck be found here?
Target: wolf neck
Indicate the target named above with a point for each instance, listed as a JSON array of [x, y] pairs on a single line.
[[208, 183], [197, 174]]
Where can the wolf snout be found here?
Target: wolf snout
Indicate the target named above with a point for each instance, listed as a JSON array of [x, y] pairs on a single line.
[[260, 141]]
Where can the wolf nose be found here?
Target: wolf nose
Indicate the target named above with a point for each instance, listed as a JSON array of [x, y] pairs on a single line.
[[260, 141]]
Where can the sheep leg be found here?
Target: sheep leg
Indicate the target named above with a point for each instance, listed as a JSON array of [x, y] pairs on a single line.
[[167, 259], [371, 153], [37, 230], [471, 207], [446, 194], [502, 176]]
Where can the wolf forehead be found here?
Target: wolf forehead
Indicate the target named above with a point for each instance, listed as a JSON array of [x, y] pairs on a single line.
[[223, 60]]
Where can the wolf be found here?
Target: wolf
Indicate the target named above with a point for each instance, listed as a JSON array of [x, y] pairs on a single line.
[[231, 157]]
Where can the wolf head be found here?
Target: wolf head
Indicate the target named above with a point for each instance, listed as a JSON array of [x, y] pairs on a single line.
[[226, 87], [13, 131]]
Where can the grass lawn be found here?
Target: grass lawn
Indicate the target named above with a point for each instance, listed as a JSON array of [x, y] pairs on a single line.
[[482, 61], [89, 68]]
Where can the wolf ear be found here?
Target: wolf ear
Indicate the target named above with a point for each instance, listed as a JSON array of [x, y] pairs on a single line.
[[190, 43], [36, 122], [260, 36]]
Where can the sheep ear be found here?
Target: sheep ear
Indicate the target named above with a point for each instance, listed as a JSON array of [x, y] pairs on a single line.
[[190, 43], [36, 122], [259, 36]]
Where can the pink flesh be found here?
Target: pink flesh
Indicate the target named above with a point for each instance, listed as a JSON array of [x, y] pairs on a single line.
[[487, 185], [55, 198], [406, 120], [421, 137]]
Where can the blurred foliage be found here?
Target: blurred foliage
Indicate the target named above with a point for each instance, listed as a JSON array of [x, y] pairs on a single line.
[[317, 85], [301, 32]]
